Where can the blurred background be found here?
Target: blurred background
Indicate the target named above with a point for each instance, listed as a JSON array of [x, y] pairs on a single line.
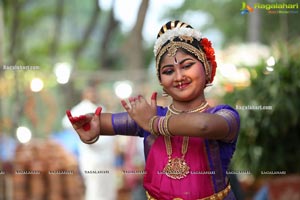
[[62, 54]]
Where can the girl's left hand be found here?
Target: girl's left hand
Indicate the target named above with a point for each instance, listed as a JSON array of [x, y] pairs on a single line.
[[140, 110]]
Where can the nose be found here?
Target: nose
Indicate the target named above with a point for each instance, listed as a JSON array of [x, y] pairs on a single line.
[[179, 75]]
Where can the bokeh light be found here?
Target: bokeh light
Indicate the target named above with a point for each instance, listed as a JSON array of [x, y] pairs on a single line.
[[123, 89], [36, 85], [62, 72], [23, 134]]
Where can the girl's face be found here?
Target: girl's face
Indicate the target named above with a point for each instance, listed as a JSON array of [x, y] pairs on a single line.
[[182, 76]]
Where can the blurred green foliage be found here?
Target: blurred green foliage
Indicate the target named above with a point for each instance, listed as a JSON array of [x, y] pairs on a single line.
[[269, 139], [225, 16]]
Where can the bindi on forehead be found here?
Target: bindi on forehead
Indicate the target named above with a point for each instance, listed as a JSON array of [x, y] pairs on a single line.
[[175, 60]]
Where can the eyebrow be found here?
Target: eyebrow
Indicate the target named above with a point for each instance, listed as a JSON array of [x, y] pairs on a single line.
[[171, 65]]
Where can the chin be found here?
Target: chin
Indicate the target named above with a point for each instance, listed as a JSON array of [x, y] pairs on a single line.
[[183, 98]]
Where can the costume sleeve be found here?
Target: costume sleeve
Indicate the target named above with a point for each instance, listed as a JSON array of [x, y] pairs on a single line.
[[124, 125], [233, 120]]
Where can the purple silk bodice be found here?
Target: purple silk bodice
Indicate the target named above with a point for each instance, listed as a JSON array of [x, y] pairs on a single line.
[[208, 159]]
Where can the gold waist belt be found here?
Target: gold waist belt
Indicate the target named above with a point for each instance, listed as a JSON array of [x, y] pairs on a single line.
[[217, 196]]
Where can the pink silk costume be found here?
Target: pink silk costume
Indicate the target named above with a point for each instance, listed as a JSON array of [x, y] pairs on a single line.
[[208, 159]]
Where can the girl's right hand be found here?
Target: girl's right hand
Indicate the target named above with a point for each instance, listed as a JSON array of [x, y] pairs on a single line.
[[87, 126]]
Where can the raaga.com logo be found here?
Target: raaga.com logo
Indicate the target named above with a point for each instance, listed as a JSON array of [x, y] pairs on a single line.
[[271, 8]]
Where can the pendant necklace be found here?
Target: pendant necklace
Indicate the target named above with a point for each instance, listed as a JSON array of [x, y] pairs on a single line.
[[177, 168]]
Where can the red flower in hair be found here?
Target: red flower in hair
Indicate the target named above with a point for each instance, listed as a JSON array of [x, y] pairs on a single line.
[[210, 56]]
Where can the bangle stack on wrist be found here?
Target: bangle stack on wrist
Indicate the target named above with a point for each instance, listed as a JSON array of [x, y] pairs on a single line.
[[162, 125], [92, 141], [151, 123]]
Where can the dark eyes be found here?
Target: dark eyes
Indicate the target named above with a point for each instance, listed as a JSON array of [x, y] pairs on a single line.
[[170, 70]]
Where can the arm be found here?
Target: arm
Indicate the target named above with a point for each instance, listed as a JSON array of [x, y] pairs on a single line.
[[223, 125], [106, 127], [204, 125]]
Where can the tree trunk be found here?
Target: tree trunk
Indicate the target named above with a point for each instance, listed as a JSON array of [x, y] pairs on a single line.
[[105, 60], [284, 32], [1, 59], [87, 33], [133, 47], [1, 39], [15, 7], [16, 10], [57, 30], [254, 25]]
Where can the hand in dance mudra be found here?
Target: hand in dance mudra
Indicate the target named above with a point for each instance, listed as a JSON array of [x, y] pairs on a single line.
[[87, 126], [140, 110]]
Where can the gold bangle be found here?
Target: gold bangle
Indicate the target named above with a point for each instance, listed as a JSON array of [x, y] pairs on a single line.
[[151, 123], [92, 141], [161, 126], [166, 124]]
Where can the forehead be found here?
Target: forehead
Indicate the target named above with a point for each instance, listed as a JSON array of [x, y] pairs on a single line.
[[180, 55]]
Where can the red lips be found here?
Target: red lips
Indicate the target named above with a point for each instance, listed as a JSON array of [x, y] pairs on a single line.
[[182, 85]]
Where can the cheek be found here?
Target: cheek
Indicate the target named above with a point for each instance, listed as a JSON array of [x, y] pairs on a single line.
[[199, 74], [202, 75], [165, 81]]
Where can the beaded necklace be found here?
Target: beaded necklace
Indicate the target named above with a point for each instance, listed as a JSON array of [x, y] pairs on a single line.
[[200, 108]]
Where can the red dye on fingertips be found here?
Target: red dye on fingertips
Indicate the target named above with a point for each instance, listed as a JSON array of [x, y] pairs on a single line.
[[82, 117], [131, 99], [123, 102], [98, 111], [154, 95], [76, 119], [68, 112], [71, 120], [86, 127]]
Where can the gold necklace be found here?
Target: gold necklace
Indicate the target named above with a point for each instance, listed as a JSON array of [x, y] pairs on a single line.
[[176, 168], [200, 108]]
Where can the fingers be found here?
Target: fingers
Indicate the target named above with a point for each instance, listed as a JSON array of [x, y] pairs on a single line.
[[133, 102], [74, 120], [87, 125], [81, 121], [154, 100], [125, 105], [70, 117], [98, 111], [68, 112], [137, 102]]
